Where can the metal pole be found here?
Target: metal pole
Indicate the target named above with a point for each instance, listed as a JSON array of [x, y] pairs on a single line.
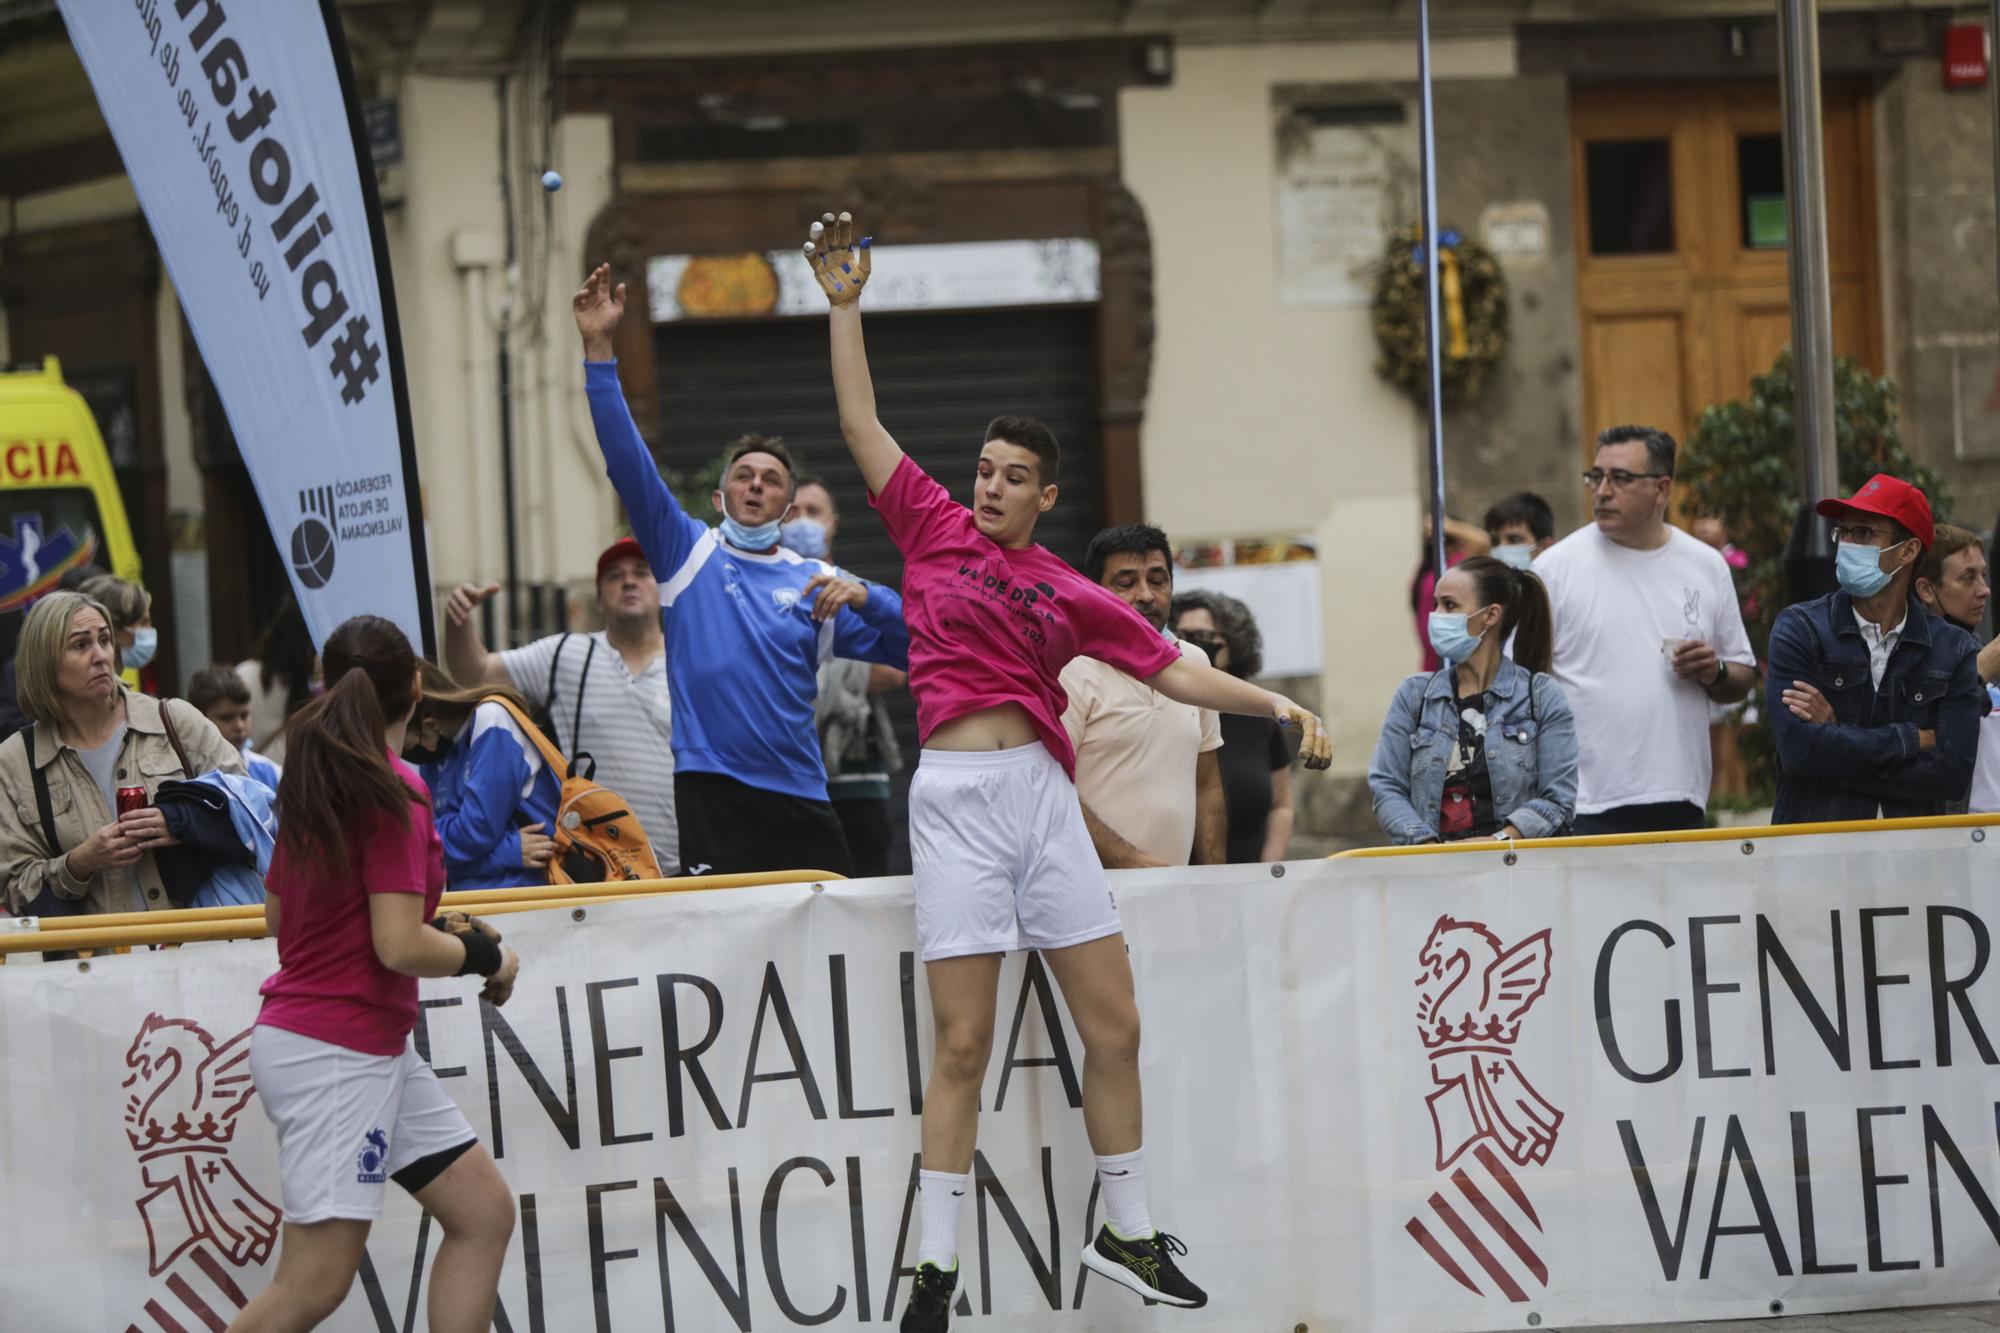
[[1427, 161], [1809, 555], [1993, 40]]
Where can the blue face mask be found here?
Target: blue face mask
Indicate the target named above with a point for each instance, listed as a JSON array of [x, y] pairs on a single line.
[[145, 642], [806, 537], [1449, 637], [1515, 557], [760, 538], [1859, 570]]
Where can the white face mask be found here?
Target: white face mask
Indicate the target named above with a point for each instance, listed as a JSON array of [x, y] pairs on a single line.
[[1515, 556], [145, 643], [804, 536]]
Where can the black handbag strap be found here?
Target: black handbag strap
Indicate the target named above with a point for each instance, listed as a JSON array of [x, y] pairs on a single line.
[[43, 804], [582, 684]]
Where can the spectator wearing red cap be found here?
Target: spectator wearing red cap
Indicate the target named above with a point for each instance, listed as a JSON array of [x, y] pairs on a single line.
[[1875, 702], [605, 693]]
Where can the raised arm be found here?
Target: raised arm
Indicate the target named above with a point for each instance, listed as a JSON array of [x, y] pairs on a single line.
[[664, 532], [465, 654], [842, 264]]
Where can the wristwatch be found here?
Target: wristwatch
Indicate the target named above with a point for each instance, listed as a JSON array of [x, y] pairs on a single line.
[[1721, 671]]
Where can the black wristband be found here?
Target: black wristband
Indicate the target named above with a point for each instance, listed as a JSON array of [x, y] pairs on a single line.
[[482, 955], [1721, 674]]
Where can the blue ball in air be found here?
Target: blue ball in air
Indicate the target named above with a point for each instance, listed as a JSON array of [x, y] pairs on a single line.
[[551, 181]]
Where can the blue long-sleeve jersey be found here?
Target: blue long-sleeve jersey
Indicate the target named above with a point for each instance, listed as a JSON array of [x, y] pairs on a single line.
[[488, 783], [743, 653]]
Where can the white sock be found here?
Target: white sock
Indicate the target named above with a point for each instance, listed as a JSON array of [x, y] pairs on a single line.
[[940, 1195], [1124, 1182]]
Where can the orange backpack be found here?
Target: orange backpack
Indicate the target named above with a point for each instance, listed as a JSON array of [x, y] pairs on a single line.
[[598, 838]]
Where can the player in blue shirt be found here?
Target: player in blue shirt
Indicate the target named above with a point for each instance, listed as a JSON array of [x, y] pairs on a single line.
[[747, 625]]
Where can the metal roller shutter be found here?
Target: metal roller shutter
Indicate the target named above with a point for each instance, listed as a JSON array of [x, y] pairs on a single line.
[[939, 378]]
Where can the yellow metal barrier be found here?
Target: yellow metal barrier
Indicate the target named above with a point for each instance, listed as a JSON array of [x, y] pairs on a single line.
[[1751, 833], [197, 924]]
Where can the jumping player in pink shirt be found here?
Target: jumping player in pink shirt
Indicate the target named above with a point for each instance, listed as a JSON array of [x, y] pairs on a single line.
[[1000, 854]]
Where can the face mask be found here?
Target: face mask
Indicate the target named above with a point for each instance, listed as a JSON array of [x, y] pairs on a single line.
[[424, 744], [1515, 557], [760, 538], [1214, 650], [1859, 570], [1449, 637], [804, 536], [145, 642]]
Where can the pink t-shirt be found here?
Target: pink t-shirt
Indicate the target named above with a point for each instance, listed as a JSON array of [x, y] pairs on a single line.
[[990, 625], [329, 985]]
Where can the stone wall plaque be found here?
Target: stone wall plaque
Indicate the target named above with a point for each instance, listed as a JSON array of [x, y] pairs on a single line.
[[1346, 174]]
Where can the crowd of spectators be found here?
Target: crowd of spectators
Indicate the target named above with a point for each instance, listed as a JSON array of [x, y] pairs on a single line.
[[1568, 686], [1628, 640]]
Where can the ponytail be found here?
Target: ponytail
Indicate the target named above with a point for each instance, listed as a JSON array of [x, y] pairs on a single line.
[[1524, 608], [1532, 624], [337, 769]]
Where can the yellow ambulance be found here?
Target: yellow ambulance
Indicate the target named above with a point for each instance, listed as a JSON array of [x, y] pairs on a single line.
[[59, 501]]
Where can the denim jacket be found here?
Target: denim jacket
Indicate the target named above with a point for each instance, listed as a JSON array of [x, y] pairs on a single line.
[[1530, 754], [1867, 759]]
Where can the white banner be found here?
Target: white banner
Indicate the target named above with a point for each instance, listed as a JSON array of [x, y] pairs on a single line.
[[959, 275], [237, 131], [1422, 1093]]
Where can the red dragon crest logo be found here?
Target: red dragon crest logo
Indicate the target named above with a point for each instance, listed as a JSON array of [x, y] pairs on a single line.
[[184, 1093], [1472, 995]]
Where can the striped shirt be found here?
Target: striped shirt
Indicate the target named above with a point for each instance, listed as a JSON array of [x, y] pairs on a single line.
[[626, 724]]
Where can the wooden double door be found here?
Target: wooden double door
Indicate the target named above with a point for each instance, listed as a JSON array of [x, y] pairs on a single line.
[[1680, 226]]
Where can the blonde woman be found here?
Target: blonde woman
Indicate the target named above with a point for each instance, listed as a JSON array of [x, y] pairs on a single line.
[[65, 845]]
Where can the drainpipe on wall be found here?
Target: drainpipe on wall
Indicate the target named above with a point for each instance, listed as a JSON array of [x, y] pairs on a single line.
[[474, 254], [1809, 554], [1993, 82]]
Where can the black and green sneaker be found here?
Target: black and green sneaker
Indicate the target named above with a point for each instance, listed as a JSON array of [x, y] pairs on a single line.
[[1146, 1266], [929, 1310]]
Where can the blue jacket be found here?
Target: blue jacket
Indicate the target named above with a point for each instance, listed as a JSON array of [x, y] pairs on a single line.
[[1868, 758], [743, 652], [489, 782], [1530, 754]]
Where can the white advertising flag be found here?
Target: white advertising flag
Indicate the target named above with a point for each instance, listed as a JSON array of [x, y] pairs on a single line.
[[239, 129]]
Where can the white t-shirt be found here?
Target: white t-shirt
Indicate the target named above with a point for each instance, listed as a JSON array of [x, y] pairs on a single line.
[[627, 724], [1642, 731], [1986, 763]]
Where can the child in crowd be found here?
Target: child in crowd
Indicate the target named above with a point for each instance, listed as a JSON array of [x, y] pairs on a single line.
[[224, 699]]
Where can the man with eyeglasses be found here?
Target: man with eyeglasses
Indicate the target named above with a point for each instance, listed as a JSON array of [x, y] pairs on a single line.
[[1875, 702], [1648, 633]]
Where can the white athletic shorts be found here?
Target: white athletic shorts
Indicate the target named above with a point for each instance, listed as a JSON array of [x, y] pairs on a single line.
[[1000, 855], [347, 1122]]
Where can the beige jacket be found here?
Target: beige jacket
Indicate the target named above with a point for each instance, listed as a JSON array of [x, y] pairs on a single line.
[[146, 759]]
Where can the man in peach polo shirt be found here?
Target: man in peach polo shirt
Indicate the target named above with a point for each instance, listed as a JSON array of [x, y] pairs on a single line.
[[1147, 771]]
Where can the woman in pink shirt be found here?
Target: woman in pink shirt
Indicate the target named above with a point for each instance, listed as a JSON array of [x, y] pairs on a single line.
[[353, 893], [1000, 854]]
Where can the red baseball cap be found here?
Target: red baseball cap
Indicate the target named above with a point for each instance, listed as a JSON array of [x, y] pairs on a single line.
[[627, 548], [1886, 497]]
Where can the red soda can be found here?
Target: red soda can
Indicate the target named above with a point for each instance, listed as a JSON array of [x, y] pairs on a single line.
[[130, 799]]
